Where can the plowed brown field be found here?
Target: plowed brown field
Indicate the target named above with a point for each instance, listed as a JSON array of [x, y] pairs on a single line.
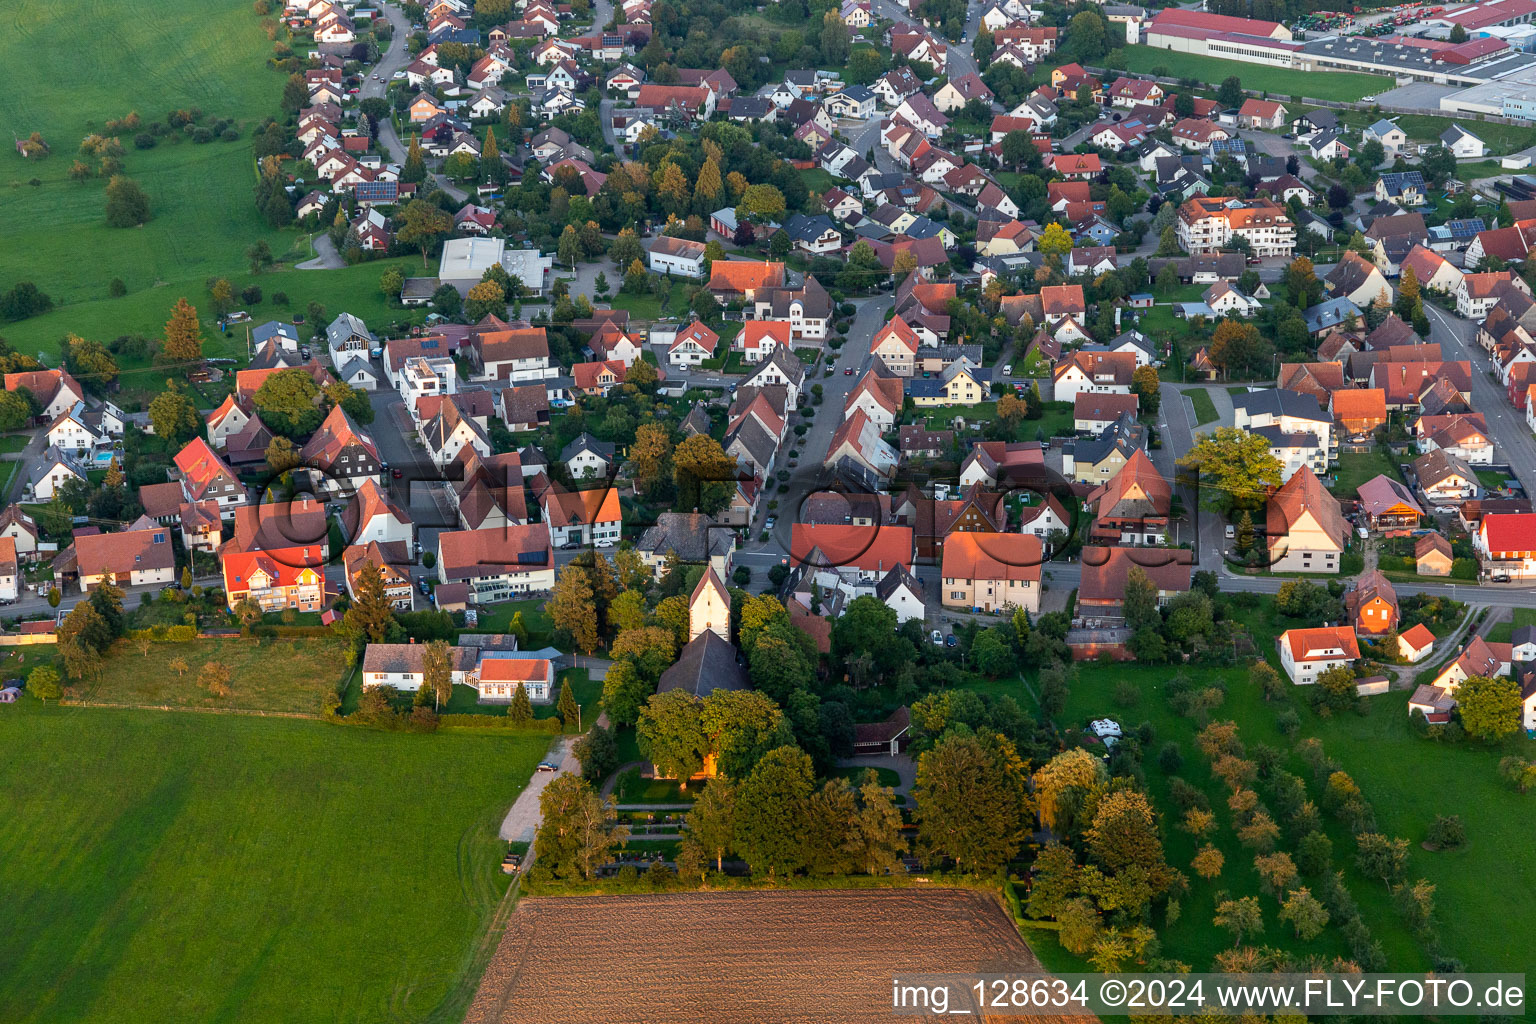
[[734, 957]]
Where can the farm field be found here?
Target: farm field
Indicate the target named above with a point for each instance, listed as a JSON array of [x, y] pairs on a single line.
[[221, 867], [1333, 85], [783, 956]]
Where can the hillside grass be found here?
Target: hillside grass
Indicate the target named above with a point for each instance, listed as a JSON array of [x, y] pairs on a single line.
[[174, 55], [203, 216], [217, 867], [1278, 82]]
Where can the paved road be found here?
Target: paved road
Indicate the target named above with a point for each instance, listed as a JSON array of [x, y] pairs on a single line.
[[393, 59], [523, 818], [327, 257]]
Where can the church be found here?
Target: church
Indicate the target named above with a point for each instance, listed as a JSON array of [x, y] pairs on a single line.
[[708, 661]]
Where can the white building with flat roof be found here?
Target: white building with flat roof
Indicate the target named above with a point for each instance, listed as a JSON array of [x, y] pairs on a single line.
[[465, 261]]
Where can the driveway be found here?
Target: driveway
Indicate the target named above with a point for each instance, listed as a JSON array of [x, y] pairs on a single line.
[[901, 764], [326, 258], [522, 820]]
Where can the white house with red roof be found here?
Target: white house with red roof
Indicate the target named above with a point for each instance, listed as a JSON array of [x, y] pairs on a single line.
[[692, 345], [1306, 654], [896, 343], [207, 477], [758, 339], [1505, 544]]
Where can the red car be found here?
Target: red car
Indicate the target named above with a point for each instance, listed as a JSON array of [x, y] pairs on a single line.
[[848, 372], [395, 473]]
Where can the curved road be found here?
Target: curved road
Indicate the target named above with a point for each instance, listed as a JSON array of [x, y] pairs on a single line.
[[394, 59]]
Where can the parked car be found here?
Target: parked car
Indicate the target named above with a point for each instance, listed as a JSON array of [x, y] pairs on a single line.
[[937, 638], [951, 640], [396, 474], [848, 371], [546, 766], [1446, 510], [770, 522], [1231, 532]]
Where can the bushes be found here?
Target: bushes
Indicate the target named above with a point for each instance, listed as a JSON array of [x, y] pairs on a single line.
[[499, 722]]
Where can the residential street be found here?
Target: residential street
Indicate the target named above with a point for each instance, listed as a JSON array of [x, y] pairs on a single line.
[[394, 59], [1511, 437]]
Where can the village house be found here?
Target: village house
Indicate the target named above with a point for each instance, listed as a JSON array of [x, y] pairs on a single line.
[[1305, 528], [991, 571], [1306, 654]]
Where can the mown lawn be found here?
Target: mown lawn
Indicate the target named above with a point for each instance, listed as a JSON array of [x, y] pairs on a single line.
[[231, 868], [1355, 469], [1332, 85], [266, 675], [1205, 409], [1504, 631], [497, 618]]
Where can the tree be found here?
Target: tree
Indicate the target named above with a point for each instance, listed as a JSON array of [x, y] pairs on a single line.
[[705, 476], [877, 829], [1063, 786], [127, 205], [567, 706], [14, 411], [1302, 911], [773, 812], [598, 752], [973, 806], [829, 843], [186, 577], [1124, 833], [1446, 832], [1145, 384], [1378, 856], [761, 203], [1240, 917], [865, 626], [44, 684], [572, 607], [521, 708], [370, 617], [1230, 93], [422, 224], [215, 678], [414, 169], [282, 455], [577, 834], [1458, 33], [625, 248], [485, 297], [1276, 870], [1208, 862], [834, 40], [183, 334], [653, 442], [1489, 708], [436, 671], [173, 415], [1235, 469], [491, 167], [1085, 36], [625, 691], [568, 250], [712, 821], [779, 245], [671, 734], [1140, 600], [1054, 240]]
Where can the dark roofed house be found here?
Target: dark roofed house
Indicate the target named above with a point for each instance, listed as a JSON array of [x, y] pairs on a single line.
[[887, 737]]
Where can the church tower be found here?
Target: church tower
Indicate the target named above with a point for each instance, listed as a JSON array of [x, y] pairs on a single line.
[[709, 609]]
